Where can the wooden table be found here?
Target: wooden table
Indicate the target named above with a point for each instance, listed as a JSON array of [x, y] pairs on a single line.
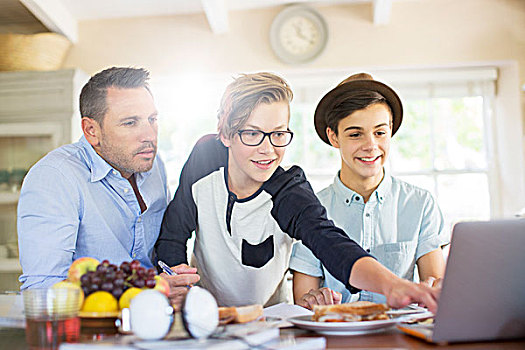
[[14, 339], [394, 339]]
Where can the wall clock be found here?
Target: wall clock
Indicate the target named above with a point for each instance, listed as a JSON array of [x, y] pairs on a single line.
[[298, 34]]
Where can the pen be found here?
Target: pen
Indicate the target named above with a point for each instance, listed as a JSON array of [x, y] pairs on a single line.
[[166, 268]]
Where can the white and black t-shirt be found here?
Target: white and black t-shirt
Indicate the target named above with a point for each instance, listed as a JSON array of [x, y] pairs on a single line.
[[243, 246]]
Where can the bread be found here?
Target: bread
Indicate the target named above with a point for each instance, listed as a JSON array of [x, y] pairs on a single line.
[[227, 314], [240, 314], [356, 311]]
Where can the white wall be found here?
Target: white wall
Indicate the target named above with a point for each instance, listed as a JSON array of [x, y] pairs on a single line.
[[421, 33]]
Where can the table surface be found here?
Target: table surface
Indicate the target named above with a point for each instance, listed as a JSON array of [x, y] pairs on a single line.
[[394, 339], [14, 339]]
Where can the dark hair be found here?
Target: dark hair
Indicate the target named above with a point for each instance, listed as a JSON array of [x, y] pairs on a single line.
[[353, 101], [93, 95]]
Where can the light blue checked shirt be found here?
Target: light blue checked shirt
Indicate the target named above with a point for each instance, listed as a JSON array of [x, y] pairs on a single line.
[[74, 204], [399, 224]]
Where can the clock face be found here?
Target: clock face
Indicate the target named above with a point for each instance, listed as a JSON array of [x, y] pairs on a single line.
[[298, 34]]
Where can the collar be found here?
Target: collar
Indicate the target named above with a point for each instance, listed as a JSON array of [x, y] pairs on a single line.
[[348, 196], [97, 165], [100, 168]]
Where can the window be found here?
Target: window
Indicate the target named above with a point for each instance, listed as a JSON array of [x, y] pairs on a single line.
[[441, 147], [187, 111]]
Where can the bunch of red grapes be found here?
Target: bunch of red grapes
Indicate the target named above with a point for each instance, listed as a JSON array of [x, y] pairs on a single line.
[[116, 280]]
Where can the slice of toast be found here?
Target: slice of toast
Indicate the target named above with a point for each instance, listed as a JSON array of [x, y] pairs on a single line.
[[356, 311], [240, 314]]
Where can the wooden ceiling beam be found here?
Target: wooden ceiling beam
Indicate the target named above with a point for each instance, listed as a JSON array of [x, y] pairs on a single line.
[[54, 16], [382, 11], [217, 15]]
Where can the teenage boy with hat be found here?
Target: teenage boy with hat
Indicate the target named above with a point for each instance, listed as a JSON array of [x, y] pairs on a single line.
[[397, 223], [246, 210]]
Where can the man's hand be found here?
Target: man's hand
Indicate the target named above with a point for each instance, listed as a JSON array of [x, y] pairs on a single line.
[[403, 292], [180, 283], [322, 296]]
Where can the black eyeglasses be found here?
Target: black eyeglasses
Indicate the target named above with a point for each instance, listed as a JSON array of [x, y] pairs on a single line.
[[256, 137]]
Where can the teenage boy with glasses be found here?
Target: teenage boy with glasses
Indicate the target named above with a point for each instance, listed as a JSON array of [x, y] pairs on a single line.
[[246, 210]]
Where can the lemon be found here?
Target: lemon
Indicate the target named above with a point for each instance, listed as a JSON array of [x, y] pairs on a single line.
[[64, 299], [100, 302], [126, 297]]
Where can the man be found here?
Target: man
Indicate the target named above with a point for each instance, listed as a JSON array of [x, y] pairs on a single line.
[[105, 195], [398, 223]]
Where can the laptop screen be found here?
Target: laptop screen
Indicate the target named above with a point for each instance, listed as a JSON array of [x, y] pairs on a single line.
[[483, 295]]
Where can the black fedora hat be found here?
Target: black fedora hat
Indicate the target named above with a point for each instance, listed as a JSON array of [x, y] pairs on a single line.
[[360, 81]]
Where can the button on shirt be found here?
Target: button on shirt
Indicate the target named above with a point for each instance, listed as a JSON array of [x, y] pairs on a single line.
[[399, 224], [74, 204]]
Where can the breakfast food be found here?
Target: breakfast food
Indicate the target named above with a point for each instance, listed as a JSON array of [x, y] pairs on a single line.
[[70, 285], [100, 301], [91, 277], [356, 311], [125, 299], [240, 314], [79, 267], [110, 278]]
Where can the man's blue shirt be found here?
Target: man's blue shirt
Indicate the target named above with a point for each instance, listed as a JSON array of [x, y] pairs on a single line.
[[74, 204]]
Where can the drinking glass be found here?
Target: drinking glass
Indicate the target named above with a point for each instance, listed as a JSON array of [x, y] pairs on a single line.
[[51, 317]]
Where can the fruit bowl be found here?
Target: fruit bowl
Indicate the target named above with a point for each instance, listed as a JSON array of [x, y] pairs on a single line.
[[98, 322], [87, 314], [106, 288]]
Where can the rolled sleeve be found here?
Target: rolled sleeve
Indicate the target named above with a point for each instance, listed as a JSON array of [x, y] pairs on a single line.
[[432, 233], [40, 281], [304, 261]]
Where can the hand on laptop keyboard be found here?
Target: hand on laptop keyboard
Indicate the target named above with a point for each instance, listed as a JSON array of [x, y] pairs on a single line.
[[403, 292]]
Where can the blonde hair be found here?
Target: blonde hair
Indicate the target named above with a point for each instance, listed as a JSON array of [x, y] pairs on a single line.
[[245, 94]]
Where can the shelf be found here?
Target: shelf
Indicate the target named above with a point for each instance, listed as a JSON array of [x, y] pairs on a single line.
[[9, 197], [10, 265]]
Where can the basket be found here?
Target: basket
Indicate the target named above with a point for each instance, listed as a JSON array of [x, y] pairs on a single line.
[[43, 51]]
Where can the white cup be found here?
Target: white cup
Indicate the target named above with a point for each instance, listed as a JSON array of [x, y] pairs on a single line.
[[151, 315]]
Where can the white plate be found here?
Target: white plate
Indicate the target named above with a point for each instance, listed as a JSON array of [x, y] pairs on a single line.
[[341, 328], [408, 310]]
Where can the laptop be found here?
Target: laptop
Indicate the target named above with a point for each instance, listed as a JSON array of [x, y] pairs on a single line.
[[483, 293]]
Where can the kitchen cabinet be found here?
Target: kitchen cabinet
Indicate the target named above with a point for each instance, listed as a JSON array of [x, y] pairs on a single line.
[[38, 112]]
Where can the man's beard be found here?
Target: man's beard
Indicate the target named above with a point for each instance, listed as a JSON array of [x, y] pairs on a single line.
[[119, 160]]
